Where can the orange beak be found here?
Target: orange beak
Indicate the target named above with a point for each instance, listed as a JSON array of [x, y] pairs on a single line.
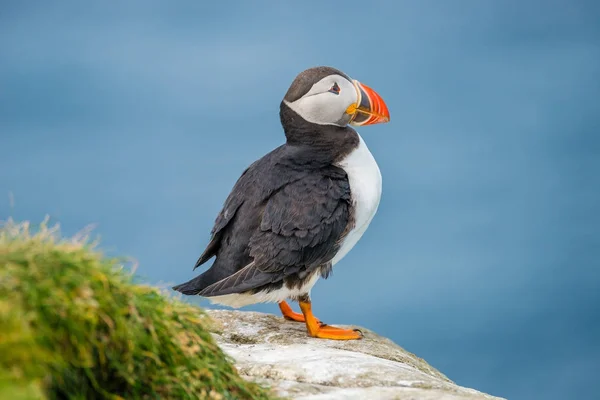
[[370, 108]]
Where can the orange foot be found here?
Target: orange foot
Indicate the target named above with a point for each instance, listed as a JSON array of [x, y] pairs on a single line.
[[332, 332], [289, 314], [318, 330]]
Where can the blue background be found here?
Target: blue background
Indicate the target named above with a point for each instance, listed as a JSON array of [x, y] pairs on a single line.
[[483, 257]]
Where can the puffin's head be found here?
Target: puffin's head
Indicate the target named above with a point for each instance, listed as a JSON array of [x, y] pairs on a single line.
[[327, 96]]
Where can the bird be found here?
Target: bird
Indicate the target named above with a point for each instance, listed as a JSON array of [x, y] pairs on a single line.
[[297, 211]]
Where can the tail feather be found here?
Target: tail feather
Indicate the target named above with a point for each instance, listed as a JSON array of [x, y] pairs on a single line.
[[193, 286], [247, 278]]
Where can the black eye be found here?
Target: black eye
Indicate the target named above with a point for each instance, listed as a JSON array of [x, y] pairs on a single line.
[[335, 89]]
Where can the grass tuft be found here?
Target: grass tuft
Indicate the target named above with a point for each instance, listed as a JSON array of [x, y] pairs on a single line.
[[74, 325]]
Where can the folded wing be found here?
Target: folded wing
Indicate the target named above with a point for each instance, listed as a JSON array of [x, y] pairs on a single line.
[[301, 228]]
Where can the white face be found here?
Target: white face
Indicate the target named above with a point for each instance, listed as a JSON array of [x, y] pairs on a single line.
[[327, 101]]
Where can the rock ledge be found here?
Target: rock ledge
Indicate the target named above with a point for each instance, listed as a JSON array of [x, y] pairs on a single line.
[[276, 352]]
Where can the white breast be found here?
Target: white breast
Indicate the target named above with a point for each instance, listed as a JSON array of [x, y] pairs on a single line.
[[365, 186]]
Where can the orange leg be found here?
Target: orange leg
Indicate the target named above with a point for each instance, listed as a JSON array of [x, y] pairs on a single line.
[[289, 314], [318, 330]]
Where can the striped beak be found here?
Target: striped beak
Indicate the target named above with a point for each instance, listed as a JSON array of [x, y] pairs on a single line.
[[369, 109]]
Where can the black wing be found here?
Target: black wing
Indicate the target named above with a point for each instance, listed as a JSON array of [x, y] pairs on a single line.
[[301, 228], [228, 212], [256, 184]]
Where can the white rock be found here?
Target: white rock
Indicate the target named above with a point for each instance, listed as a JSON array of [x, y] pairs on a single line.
[[278, 353]]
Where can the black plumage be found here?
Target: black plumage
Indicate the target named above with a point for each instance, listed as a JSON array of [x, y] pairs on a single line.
[[287, 214]]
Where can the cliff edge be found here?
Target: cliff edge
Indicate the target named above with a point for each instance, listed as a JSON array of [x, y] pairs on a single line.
[[278, 353]]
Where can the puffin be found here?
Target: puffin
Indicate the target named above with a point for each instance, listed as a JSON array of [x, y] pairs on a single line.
[[297, 211]]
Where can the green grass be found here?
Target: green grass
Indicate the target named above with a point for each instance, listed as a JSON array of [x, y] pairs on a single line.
[[73, 325]]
